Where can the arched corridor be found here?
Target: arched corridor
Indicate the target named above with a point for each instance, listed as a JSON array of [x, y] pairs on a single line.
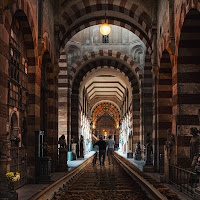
[[64, 85]]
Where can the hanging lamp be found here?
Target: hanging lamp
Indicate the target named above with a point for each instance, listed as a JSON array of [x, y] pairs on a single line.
[[105, 28]]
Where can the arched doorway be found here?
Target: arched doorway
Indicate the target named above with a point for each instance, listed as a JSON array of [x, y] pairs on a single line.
[[68, 73]]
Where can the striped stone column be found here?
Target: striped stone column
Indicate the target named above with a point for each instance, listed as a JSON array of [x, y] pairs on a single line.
[[63, 96], [155, 118], [164, 104], [135, 105], [52, 132], [147, 93], [33, 124]]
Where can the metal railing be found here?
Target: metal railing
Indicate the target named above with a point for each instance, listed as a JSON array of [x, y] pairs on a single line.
[[186, 181]]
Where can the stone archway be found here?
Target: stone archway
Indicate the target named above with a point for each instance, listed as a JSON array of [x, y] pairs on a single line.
[[93, 65], [132, 16], [186, 96]]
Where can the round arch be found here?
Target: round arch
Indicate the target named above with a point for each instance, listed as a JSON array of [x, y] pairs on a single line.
[[131, 16], [107, 101], [93, 64], [115, 56], [29, 27], [105, 108]]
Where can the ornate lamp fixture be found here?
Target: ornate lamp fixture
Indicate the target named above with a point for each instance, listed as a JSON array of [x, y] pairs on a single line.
[[105, 28]]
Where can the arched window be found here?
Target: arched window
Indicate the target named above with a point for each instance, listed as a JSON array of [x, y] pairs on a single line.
[[14, 135]]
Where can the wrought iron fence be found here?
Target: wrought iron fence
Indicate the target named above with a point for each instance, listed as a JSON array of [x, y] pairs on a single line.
[[186, 181]]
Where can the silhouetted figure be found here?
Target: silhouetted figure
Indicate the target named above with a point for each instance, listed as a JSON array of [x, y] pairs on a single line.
[[138, 155], [102, 149], [111, 146], [62, 142]]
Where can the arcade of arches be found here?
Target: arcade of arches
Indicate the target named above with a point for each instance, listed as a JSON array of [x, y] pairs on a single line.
[[59, 77]]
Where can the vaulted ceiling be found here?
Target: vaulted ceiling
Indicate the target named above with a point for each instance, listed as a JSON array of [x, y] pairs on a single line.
[[105, 86], [105, 111]]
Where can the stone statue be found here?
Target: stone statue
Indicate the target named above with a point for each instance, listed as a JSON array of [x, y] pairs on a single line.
[[148, 148], [194, 143], [138, 155], [62, 142], [170, 142], [148, 140], [62, 158]]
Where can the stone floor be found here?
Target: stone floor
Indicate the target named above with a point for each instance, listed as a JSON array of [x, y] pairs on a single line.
[[28, 191]]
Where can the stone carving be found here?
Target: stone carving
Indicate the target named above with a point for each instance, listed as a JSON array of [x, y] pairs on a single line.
[[170, 142], [138, 155], [62, 142], [194, 143]]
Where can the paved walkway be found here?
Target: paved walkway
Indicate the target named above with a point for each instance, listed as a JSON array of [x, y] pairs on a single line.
[[28, 191]]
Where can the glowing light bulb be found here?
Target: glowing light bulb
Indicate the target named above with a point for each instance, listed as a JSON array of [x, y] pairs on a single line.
[[105, 29]]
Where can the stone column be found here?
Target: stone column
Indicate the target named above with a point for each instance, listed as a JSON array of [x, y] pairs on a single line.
[[130, 147], [52, 128], [155, 71]]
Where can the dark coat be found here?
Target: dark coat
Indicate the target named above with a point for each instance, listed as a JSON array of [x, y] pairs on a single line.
[[101, 144]]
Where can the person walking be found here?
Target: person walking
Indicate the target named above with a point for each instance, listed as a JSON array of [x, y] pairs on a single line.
[[111, 145], [102, 149]]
